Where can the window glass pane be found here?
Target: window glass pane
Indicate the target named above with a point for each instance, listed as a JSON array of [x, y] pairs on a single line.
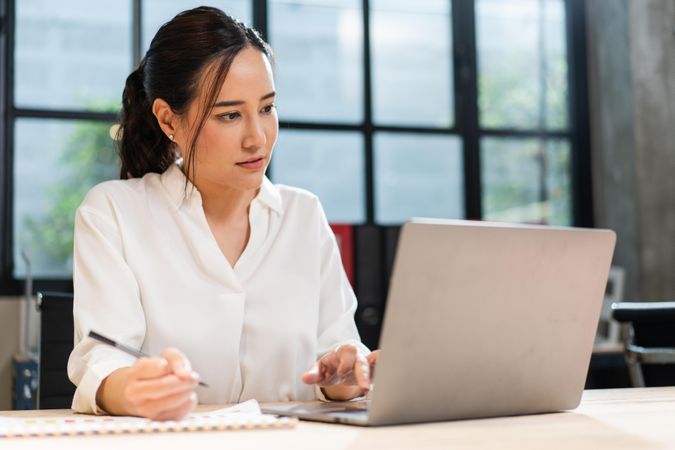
[[418, 176], [72, 55], [329, 164], [522, 59], [412, 65], [319, 59], [55, 163], [526, 180], [158, 12]]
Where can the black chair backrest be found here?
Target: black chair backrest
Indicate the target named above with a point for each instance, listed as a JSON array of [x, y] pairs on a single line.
[[56, 342], [653, 322], [653, 328]]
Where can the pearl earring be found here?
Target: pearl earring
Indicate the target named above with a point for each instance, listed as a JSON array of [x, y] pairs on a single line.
[[171, 137]]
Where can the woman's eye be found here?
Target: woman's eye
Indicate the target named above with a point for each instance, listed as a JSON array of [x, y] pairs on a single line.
[[229, 116], [268, 109]]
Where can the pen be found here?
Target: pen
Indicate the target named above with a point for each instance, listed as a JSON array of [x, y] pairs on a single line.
[[125, 348]]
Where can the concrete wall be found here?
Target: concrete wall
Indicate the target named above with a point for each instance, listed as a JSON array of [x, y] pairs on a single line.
[[631, 56], [653, 69], [612, 131], [12, 323], [10, 312]]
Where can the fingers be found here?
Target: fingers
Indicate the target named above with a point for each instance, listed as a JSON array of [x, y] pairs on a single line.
[[161, 388], [346, 365], [149, 368], [372, 357], [157, 388], [181, 411], [362, 373], [372, 361], [324, 371], [173, 407], [347, 355], [312, 376], [178, 362], [353, 368], [328, 367]]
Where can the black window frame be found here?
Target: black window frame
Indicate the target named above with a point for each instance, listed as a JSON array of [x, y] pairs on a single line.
[[466, 123]]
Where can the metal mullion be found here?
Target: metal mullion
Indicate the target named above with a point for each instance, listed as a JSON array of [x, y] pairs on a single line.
[[543, 101], [362, 128], [136, 32], [53, 284], [414, 129], [7, 206], [466, 101], [368, 130], [582, 194], [299, 125], [12, 287], [260, 23], [261, 18], [64, 114], [509, 132]]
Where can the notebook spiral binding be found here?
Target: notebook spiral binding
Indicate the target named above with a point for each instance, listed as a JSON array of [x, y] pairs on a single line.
[[74, 427]]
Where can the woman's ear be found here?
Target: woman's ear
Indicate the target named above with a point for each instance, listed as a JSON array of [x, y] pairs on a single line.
[[166, 119]]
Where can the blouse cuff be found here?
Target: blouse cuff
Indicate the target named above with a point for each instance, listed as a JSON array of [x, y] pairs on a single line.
[[319, 394], [84, 400], [356, 343]]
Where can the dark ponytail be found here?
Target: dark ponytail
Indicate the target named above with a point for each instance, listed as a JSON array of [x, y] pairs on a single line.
[[143, 145], [179, 53]]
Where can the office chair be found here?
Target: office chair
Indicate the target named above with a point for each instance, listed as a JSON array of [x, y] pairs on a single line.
[[650, 341], [55, 391]]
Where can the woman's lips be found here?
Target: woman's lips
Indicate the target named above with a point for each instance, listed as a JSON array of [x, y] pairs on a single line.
[[253, 164]]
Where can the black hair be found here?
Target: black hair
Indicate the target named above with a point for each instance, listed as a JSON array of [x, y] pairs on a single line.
[[182, 50]]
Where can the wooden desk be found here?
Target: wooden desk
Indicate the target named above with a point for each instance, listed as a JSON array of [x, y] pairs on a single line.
[[612, 419]]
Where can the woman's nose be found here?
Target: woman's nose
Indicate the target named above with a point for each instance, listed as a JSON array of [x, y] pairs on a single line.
[[255, 137]]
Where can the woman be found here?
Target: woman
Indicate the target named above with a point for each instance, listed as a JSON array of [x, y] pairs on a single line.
[[196, 249]]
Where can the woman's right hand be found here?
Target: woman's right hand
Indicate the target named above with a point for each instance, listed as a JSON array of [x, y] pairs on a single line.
[[160, 388]]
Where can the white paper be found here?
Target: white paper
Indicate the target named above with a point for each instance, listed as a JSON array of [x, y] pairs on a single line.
[[244, 413], [247, 407]]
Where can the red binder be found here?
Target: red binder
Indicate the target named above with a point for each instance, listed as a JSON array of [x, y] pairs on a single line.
[[344, 234]]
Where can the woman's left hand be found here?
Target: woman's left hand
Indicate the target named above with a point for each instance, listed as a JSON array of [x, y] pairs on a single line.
[[344, 373]]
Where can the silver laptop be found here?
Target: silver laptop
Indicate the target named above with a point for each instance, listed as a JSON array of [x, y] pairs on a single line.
[[482, 320]]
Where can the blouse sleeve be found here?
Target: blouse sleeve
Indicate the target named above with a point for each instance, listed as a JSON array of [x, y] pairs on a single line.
[[337, 300], [106, 300]]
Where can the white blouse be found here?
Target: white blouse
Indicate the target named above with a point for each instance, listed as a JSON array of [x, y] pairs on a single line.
[[149, 273]]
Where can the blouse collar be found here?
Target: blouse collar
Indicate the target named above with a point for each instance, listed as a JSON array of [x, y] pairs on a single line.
[[181, 190]]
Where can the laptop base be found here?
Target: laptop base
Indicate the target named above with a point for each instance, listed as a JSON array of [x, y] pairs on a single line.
[[348, 413]]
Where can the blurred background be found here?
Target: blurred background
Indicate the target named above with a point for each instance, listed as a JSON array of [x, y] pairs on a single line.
[[556, 112]]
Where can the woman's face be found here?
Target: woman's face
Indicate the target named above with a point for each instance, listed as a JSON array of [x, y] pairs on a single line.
[[235, 144]]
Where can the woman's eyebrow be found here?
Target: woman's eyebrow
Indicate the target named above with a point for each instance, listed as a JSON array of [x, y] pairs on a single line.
[[241, 102]]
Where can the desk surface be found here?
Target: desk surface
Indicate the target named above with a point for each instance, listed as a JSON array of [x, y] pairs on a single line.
[[612, 419]]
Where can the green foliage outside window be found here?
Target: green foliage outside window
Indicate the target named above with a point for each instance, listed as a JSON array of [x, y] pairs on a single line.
[[89, 158]]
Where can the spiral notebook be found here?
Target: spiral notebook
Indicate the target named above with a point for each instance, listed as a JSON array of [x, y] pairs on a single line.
[[245, 416]]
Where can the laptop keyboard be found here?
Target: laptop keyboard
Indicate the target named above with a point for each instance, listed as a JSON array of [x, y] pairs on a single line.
[[360, 405], [333, 407]]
